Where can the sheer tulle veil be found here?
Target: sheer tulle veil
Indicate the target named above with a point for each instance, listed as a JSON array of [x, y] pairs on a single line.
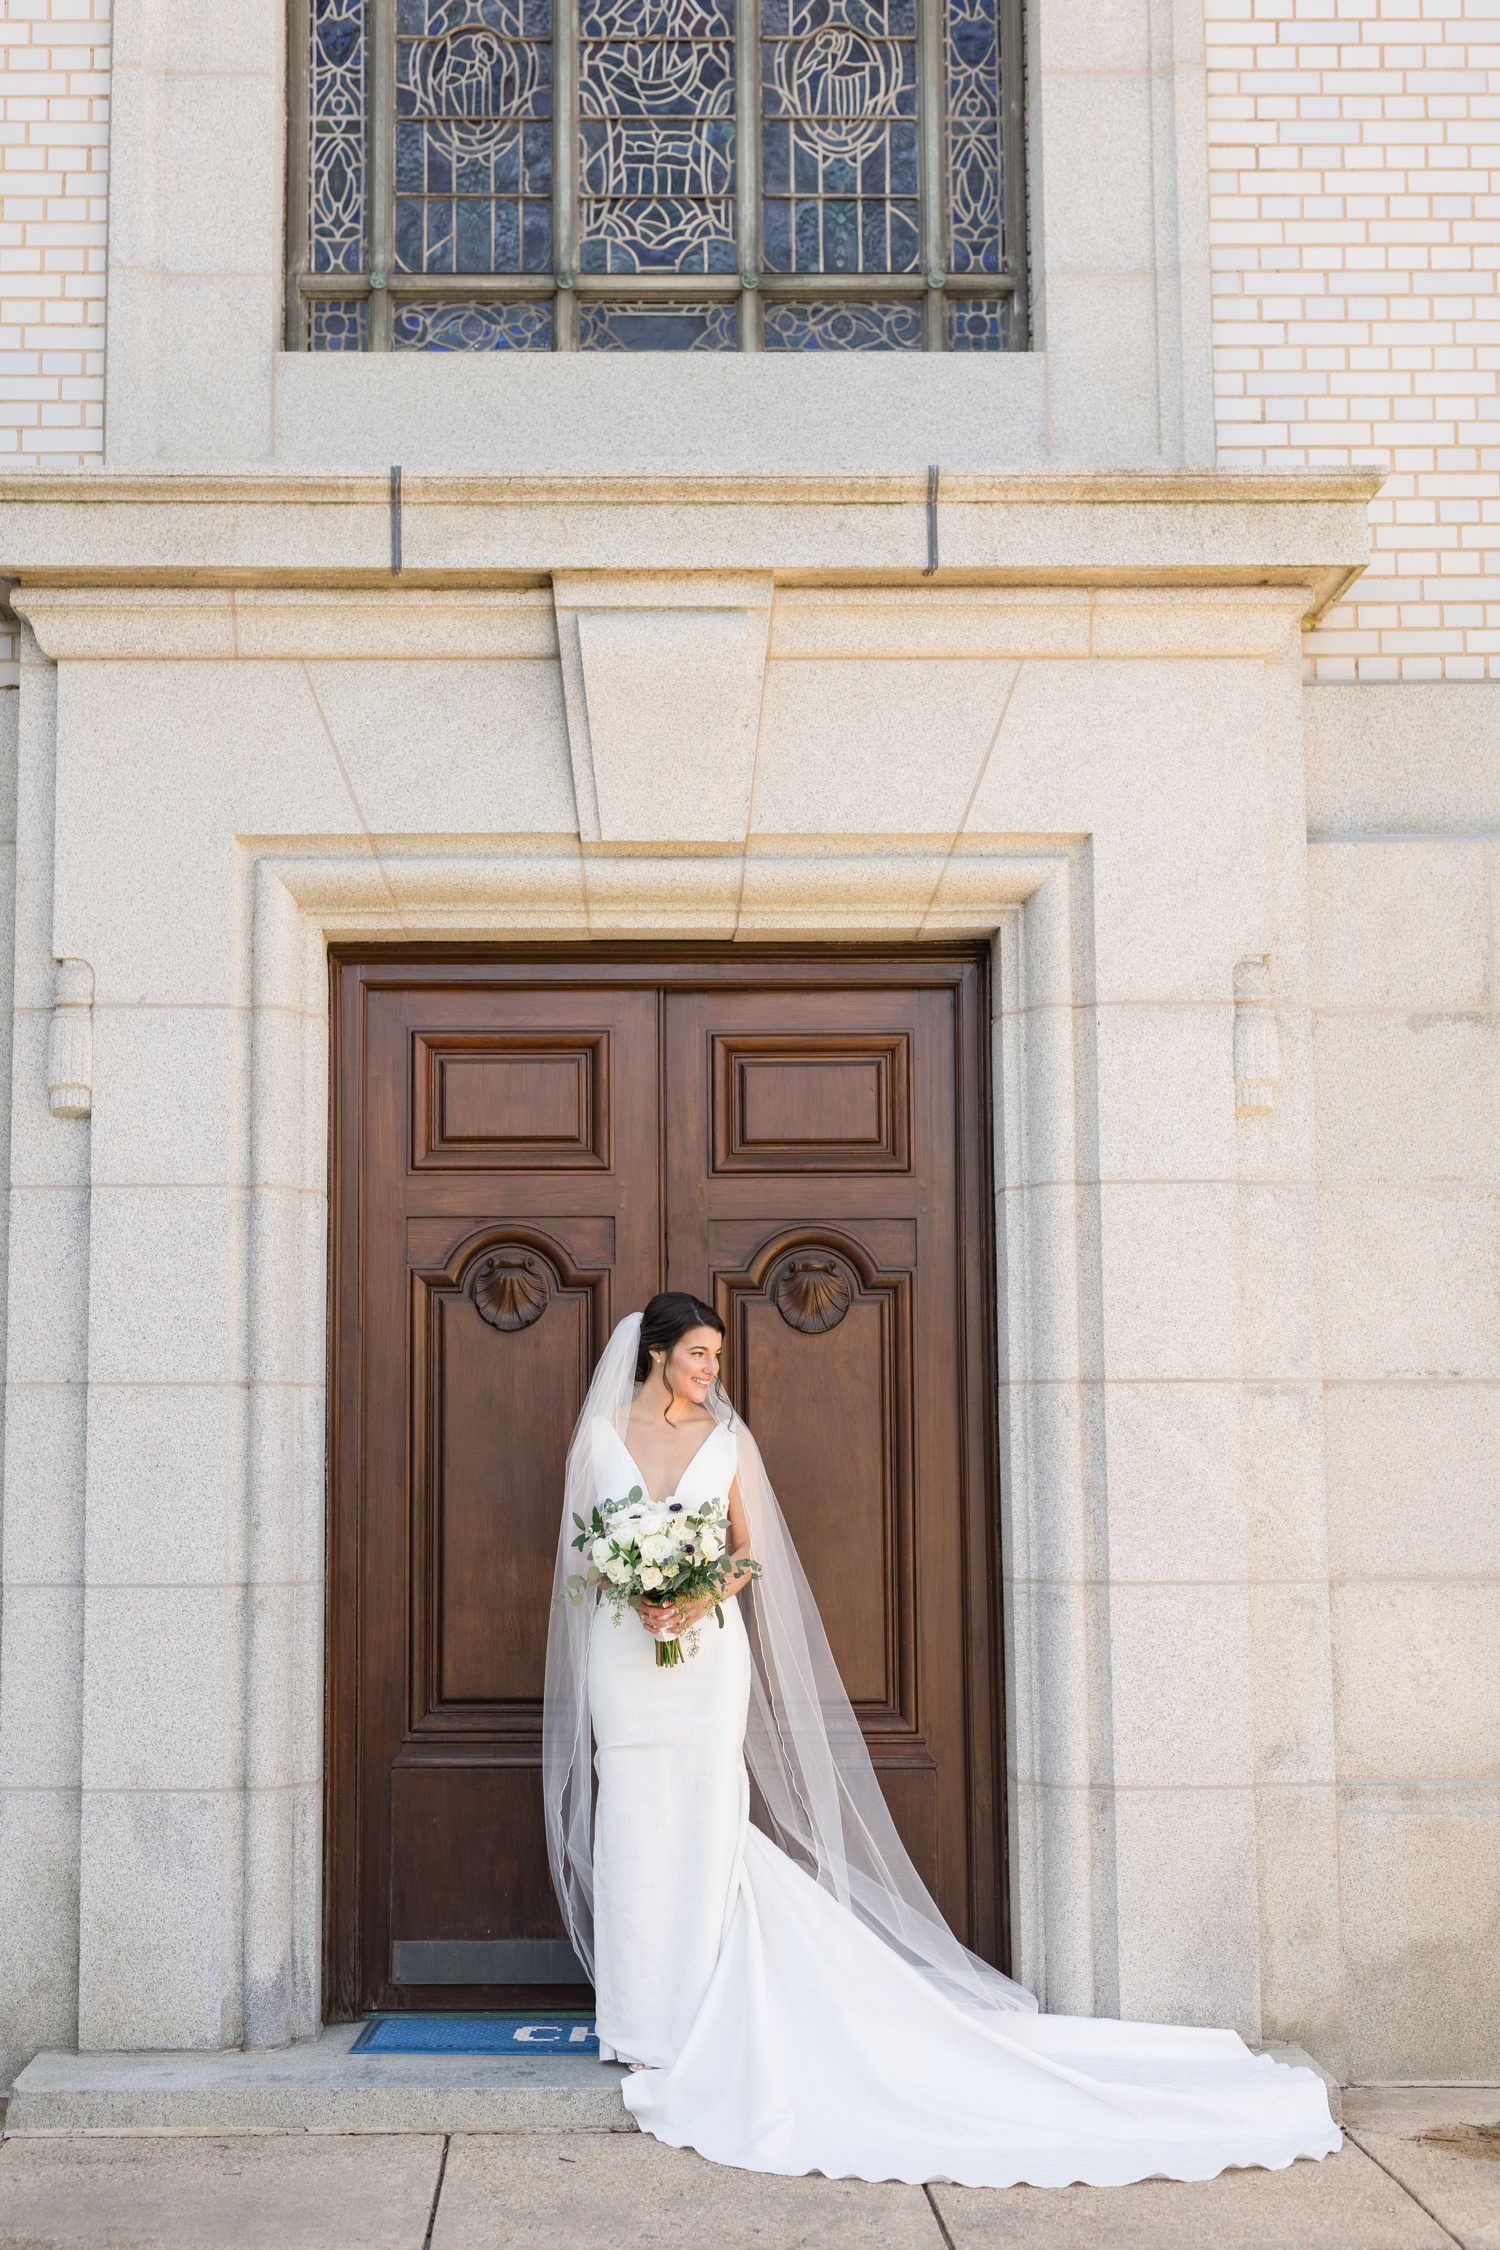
[[815, 1790]]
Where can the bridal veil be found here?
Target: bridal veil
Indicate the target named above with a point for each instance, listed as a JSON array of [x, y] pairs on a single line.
[[814, 1788]]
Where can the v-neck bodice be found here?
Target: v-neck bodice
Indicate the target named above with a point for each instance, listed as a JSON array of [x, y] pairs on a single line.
[[700, 1466]]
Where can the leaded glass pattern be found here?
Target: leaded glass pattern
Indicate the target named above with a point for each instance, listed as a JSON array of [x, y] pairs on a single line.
[[839, 159], [337, 100], [658, 327], [508, 326], [978, 324], [972, 60], [656, 136], [336, 324], [473, 159], [891, 325], [491, 175]]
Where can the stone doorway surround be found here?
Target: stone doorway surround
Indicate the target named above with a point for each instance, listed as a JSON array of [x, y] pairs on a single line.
[[241, 741]]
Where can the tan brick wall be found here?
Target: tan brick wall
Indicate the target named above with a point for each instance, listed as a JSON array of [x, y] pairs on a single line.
[[54, 154], [1356, 230]]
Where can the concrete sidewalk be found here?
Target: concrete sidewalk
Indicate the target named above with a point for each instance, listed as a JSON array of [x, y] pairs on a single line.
[[1414, 2174]]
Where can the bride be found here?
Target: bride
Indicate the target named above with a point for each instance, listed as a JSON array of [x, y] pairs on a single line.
[[786, 1991]]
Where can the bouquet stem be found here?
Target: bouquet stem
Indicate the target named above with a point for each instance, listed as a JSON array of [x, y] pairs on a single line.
[[669, 1652]]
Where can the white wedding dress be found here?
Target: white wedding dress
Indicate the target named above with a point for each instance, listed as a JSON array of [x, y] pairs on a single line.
[[786, 2036]]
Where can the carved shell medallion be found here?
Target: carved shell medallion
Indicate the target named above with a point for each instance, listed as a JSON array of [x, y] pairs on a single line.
[[509, 1289], [812, 1295]]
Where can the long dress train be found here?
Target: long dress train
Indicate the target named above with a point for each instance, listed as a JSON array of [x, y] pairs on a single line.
[[786, 2037]]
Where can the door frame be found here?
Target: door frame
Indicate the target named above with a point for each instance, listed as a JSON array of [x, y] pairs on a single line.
[[961, 966]]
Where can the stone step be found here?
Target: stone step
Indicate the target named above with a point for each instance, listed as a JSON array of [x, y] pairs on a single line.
[[316, 2088], [323, 2088]]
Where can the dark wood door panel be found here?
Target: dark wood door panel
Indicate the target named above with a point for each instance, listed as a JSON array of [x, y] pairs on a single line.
[[854, 1376], [491, 1227], [514, 1101], [805, 1324], [526, 1147], [786, 1102], [491, 1409], [455, 1832]]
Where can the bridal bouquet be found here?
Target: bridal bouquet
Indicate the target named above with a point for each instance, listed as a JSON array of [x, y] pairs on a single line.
[[659, 1551]]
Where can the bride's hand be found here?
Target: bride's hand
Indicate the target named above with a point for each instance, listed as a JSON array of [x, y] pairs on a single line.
[[659, 1618]]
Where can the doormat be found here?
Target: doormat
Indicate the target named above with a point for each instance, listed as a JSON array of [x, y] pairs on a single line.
[[540, 2034]]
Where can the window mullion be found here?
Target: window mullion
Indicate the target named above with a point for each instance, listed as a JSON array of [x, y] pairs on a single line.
[[931, 110], [382, 173], [565, 170], [1010, 26], [747, 160], [298, 170]]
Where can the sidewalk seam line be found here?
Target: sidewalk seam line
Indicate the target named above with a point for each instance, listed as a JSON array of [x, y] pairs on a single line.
[[1401, 2184], [437, 2193], [942, 2224]]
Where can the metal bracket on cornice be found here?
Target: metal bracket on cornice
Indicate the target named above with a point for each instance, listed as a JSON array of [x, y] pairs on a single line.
[[395, 523], [933, 474]]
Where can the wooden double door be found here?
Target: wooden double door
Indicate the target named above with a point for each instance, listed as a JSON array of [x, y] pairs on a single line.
[[526, 1149]]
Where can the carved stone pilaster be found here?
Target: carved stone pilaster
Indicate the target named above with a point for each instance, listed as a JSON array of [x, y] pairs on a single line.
[[1257, 1044], [70, 1041]]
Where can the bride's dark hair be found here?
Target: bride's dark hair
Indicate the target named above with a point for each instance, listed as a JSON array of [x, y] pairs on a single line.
[[665, 1321]]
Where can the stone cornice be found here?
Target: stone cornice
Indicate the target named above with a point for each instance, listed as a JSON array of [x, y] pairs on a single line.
[[272, 529], [695, 488]]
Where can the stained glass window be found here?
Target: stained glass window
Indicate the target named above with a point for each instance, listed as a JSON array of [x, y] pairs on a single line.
[[978, 324], [658, 175], [473, 156], [605, 327], [338, 98], [510, 326], [336, 324], [839, 163], [844, 326], [973, 151], [656, 136]]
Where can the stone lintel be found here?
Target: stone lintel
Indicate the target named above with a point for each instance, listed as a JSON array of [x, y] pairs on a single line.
[[697, 615]]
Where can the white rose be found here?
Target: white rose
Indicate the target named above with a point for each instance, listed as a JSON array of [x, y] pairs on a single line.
[[655, 1547], [710, 1545], [618, 1571], [600, 1550], [650, 1577]]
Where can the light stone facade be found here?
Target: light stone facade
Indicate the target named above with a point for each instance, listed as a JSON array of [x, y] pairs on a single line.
[[1245, 998]]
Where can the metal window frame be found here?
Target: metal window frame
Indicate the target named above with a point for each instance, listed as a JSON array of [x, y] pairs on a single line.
[[564, 286]]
